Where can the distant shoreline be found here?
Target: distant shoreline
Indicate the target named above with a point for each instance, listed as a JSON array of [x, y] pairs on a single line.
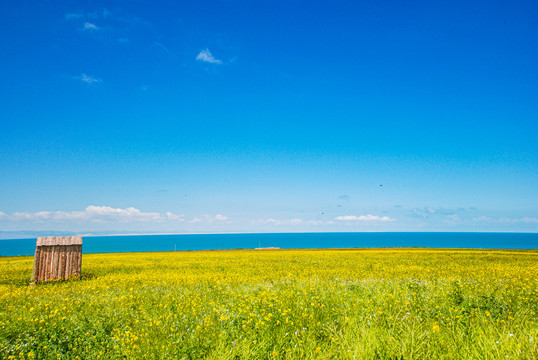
[[21, 235], [336, 240], [396, 248]]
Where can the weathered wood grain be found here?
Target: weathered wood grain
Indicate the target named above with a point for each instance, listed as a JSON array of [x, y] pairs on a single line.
[[57, 257]]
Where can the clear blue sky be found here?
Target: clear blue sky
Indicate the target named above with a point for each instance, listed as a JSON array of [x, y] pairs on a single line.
[[269, 116]]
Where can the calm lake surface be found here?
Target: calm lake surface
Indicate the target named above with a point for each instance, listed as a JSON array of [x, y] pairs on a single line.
[[135, 243]]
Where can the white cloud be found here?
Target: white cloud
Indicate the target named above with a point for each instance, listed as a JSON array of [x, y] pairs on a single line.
[[89, 26], [88, 79], [423, 213], [365, 218], [295, 221], [172, 216], [129, 213], [3, 215], [525, 220], [206, 56], [103, 14], [529, 220], [453, 219], [209, 219], [115, 19], [346, 218], [47, 215], [92, 213], [505, 220], [482, 219]]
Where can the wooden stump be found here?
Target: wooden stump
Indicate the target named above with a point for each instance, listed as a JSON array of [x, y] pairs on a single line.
[[57, 257]]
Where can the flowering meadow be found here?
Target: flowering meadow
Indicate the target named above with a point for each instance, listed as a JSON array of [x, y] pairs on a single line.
[[277, 304]]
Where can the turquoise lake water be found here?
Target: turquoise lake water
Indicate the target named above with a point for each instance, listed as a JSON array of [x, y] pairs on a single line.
[[136, 243]]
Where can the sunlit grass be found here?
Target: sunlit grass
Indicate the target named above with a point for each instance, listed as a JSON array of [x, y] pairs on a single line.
[[363, 304]]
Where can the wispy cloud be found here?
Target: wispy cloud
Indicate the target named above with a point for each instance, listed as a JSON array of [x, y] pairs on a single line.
[[93, 213], [88, 79], [107, 214], [89, 26], [161, 46], [504, 220], [206, 56], [364, 218], [422, 213], [525, 220], [74, 16], [294, 221], [172, 216], [103, 14], [428, 212], [106, 13], [113, 20], [219, 218], [453, 219]]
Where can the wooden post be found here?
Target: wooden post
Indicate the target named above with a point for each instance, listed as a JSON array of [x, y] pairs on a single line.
[[57, 257]]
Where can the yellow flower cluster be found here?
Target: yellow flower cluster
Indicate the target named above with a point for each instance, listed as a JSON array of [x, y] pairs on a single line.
[[293, 304]]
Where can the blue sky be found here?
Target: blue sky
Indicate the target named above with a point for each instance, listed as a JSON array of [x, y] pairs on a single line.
[[269, 116]]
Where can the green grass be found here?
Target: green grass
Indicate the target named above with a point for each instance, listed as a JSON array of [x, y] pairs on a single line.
[[323, 304]]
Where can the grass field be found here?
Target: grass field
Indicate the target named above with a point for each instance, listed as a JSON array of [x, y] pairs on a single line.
[[296, 304]]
